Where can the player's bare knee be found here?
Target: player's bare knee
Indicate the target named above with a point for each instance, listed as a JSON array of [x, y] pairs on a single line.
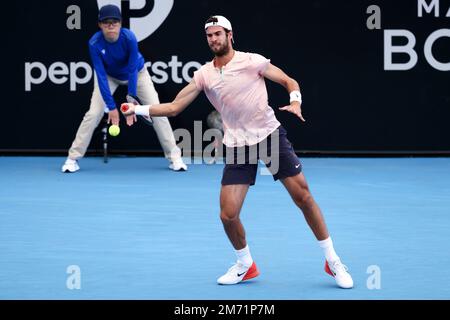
[[303, 198], [229, 216]]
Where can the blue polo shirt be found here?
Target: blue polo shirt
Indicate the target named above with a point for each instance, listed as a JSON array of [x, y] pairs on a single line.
[[121, 60]]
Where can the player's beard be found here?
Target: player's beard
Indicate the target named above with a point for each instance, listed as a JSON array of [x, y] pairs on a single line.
[[222, 50]]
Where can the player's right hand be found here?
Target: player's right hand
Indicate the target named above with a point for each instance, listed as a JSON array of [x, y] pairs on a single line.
[[127, 108]]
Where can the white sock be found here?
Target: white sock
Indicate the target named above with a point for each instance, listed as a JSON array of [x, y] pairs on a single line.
[[328, 250], [244, 256]]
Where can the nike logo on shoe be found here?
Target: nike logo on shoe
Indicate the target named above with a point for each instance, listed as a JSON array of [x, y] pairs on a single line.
[[237, 274], [328, 270], [342, 277]]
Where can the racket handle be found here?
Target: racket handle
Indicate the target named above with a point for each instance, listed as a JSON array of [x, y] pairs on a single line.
[[124, 107]]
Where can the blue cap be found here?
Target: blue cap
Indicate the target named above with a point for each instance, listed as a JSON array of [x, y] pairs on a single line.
[[109, 11]]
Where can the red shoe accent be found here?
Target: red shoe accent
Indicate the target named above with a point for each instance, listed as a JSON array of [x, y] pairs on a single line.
[[252, 272], [327, 269]]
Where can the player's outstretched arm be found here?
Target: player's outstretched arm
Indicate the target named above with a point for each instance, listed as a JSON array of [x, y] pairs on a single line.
[[277, 75], [182, 100]]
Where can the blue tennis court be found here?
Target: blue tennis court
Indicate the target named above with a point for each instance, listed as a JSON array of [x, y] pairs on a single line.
[[137, 230]]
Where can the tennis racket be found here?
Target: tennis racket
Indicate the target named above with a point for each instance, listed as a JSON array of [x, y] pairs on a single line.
[[135, 100]]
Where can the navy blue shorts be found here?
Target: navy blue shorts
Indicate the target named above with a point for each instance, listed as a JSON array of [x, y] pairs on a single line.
[[241, 163]]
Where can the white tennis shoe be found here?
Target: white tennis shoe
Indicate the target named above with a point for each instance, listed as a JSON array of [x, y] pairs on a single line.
[[70, 166], [339, 272], [178, 165], [237, 273]]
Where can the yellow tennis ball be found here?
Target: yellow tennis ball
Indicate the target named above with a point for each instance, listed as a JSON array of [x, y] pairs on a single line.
[[114, 130]]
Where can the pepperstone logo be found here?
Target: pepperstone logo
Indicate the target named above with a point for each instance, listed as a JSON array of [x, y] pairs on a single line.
[[143, 18], [140, 16]]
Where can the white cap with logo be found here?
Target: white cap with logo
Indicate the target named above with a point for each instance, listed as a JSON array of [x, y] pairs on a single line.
[[221, 22]]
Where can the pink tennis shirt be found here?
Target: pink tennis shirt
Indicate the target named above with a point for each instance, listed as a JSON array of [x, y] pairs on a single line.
[[238, 91]]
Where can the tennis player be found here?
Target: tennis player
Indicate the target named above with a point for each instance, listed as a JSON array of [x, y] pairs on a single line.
[[234, 83]]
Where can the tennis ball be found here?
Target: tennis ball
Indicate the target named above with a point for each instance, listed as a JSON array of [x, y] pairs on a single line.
[[114, 130]]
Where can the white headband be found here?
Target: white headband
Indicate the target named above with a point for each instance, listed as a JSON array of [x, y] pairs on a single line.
[[221, 22]]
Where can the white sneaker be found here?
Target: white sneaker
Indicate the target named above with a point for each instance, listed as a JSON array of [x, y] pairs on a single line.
[[178, 165], [70, 166], [339, 272], [238, 273]]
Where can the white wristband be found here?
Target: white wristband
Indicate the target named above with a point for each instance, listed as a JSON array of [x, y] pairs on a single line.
[[142, 110], [295, 96]]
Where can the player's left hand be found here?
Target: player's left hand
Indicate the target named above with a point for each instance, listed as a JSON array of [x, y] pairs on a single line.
[[295, 108]]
